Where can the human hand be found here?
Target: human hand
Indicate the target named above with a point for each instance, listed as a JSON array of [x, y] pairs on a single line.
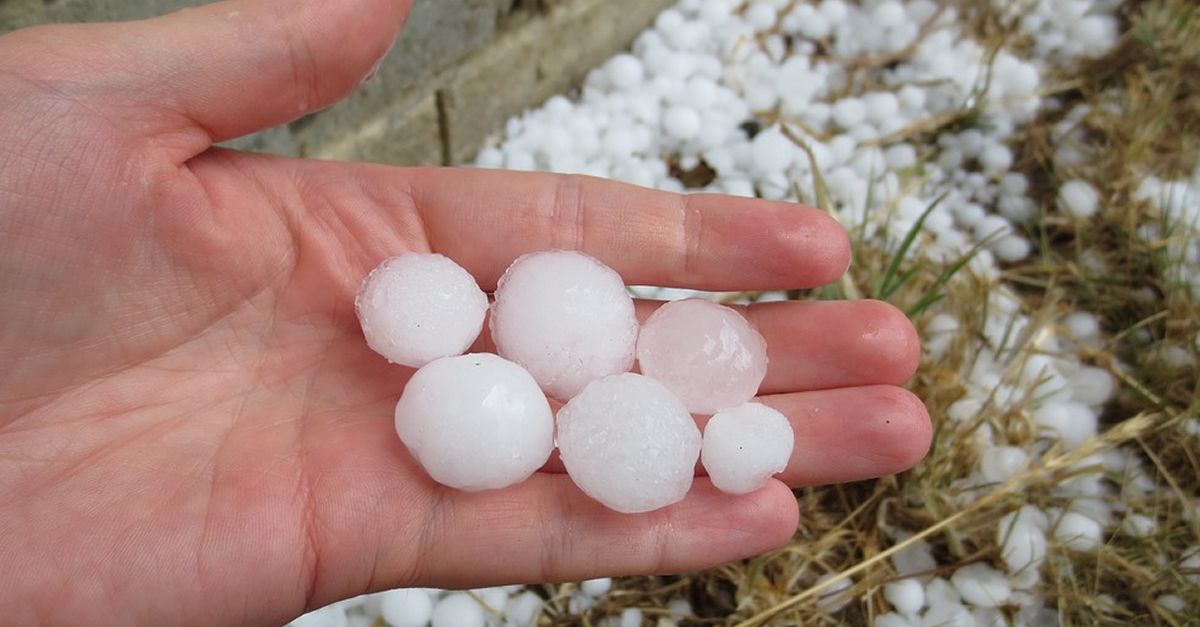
[[192, 428]]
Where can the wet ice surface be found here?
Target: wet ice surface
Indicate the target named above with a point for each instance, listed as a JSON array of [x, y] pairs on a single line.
[[475, 422], [705, 353], [744, 446], [418, 307], [566, 318], [629, 443]]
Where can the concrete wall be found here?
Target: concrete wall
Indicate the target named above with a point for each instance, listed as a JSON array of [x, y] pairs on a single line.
[[459, 70]]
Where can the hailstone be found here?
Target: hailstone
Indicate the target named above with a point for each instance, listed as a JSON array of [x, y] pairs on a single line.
[[627, 442], [705, 353], [744, 446], [419, 307], [475, 422], [566, 318]]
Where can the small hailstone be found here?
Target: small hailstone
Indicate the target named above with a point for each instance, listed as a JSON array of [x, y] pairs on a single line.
[[1171, 603], [475, 422], [419, 307], [1082, 325], [888, 14], [328, 616], [1091, 385], [566, 318], [679, 609], [1079, 199], [596, 587], [906, 596], [947, 615], [681, 122], [772, 151], [494, 599], [625, 71], [406, 607], [523, 609], [992, 227], [1011, 248], [996, 158], [627, 442], [981, 585], [706, 353], [631, 617], [1072, 421], [900, 156], [941, 592], [833, 598], [915, 559], [1000, 463], [1022, 539], [849, 112], [744, 446], [1078, 532], [760, 16], [458, 609], [490, 158], [1138, 525]]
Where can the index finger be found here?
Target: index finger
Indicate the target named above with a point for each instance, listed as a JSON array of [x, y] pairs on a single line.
[[484, 219]]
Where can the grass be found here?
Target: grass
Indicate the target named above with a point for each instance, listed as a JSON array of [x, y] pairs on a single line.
[[1144, 120]]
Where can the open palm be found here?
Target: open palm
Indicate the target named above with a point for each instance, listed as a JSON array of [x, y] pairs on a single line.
[[192, 429]]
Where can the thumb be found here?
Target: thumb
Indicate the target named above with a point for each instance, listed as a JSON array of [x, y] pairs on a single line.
[[218, 71], [235, 67]]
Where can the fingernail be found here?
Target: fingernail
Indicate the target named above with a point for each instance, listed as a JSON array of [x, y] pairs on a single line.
[[375, 68]]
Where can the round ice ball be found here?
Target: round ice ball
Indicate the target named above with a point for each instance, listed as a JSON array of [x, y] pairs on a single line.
[[406, 607], [475, 422], [705, 353], [743, 446], [627, 442], [566, 318], [419, 307], [458, 609]]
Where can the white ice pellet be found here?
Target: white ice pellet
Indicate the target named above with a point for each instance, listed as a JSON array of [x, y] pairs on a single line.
[[744, 446], [1138, 525], [523, 609], [1078, 532], [1011, 248], [681, 122], [996, 159], [418, 307], [906, 596], [1171, 603], [707, 354], [566, 318], [596, 587], [772, 151], [1071, 421], [625, 71], [475, 422], [631, 617], [849, 112], [1000, 463], [1082, 325], [1079, 199], [915, 559], [947, 615], [406, 607], [629, 443], [981, 585], [458, 609], [1091, 385], [1022, 538], [760, 16]]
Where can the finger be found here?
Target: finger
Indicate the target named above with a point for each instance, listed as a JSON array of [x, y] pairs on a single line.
[[842, 435], [547, 530], [484, 219], [851, 434], [226, 69]]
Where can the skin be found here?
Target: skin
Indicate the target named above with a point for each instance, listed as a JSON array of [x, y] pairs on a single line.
[[192, 429]]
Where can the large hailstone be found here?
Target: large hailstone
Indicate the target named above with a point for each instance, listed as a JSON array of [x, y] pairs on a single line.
[[475, 422], [744, 446], [419, 307], [566, 318], [627, 442], [707, 354]]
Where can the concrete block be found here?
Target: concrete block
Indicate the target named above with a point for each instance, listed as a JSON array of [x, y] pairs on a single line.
[[405, 134]]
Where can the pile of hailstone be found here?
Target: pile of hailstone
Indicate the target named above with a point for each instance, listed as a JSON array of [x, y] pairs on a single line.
[[564, 327]]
